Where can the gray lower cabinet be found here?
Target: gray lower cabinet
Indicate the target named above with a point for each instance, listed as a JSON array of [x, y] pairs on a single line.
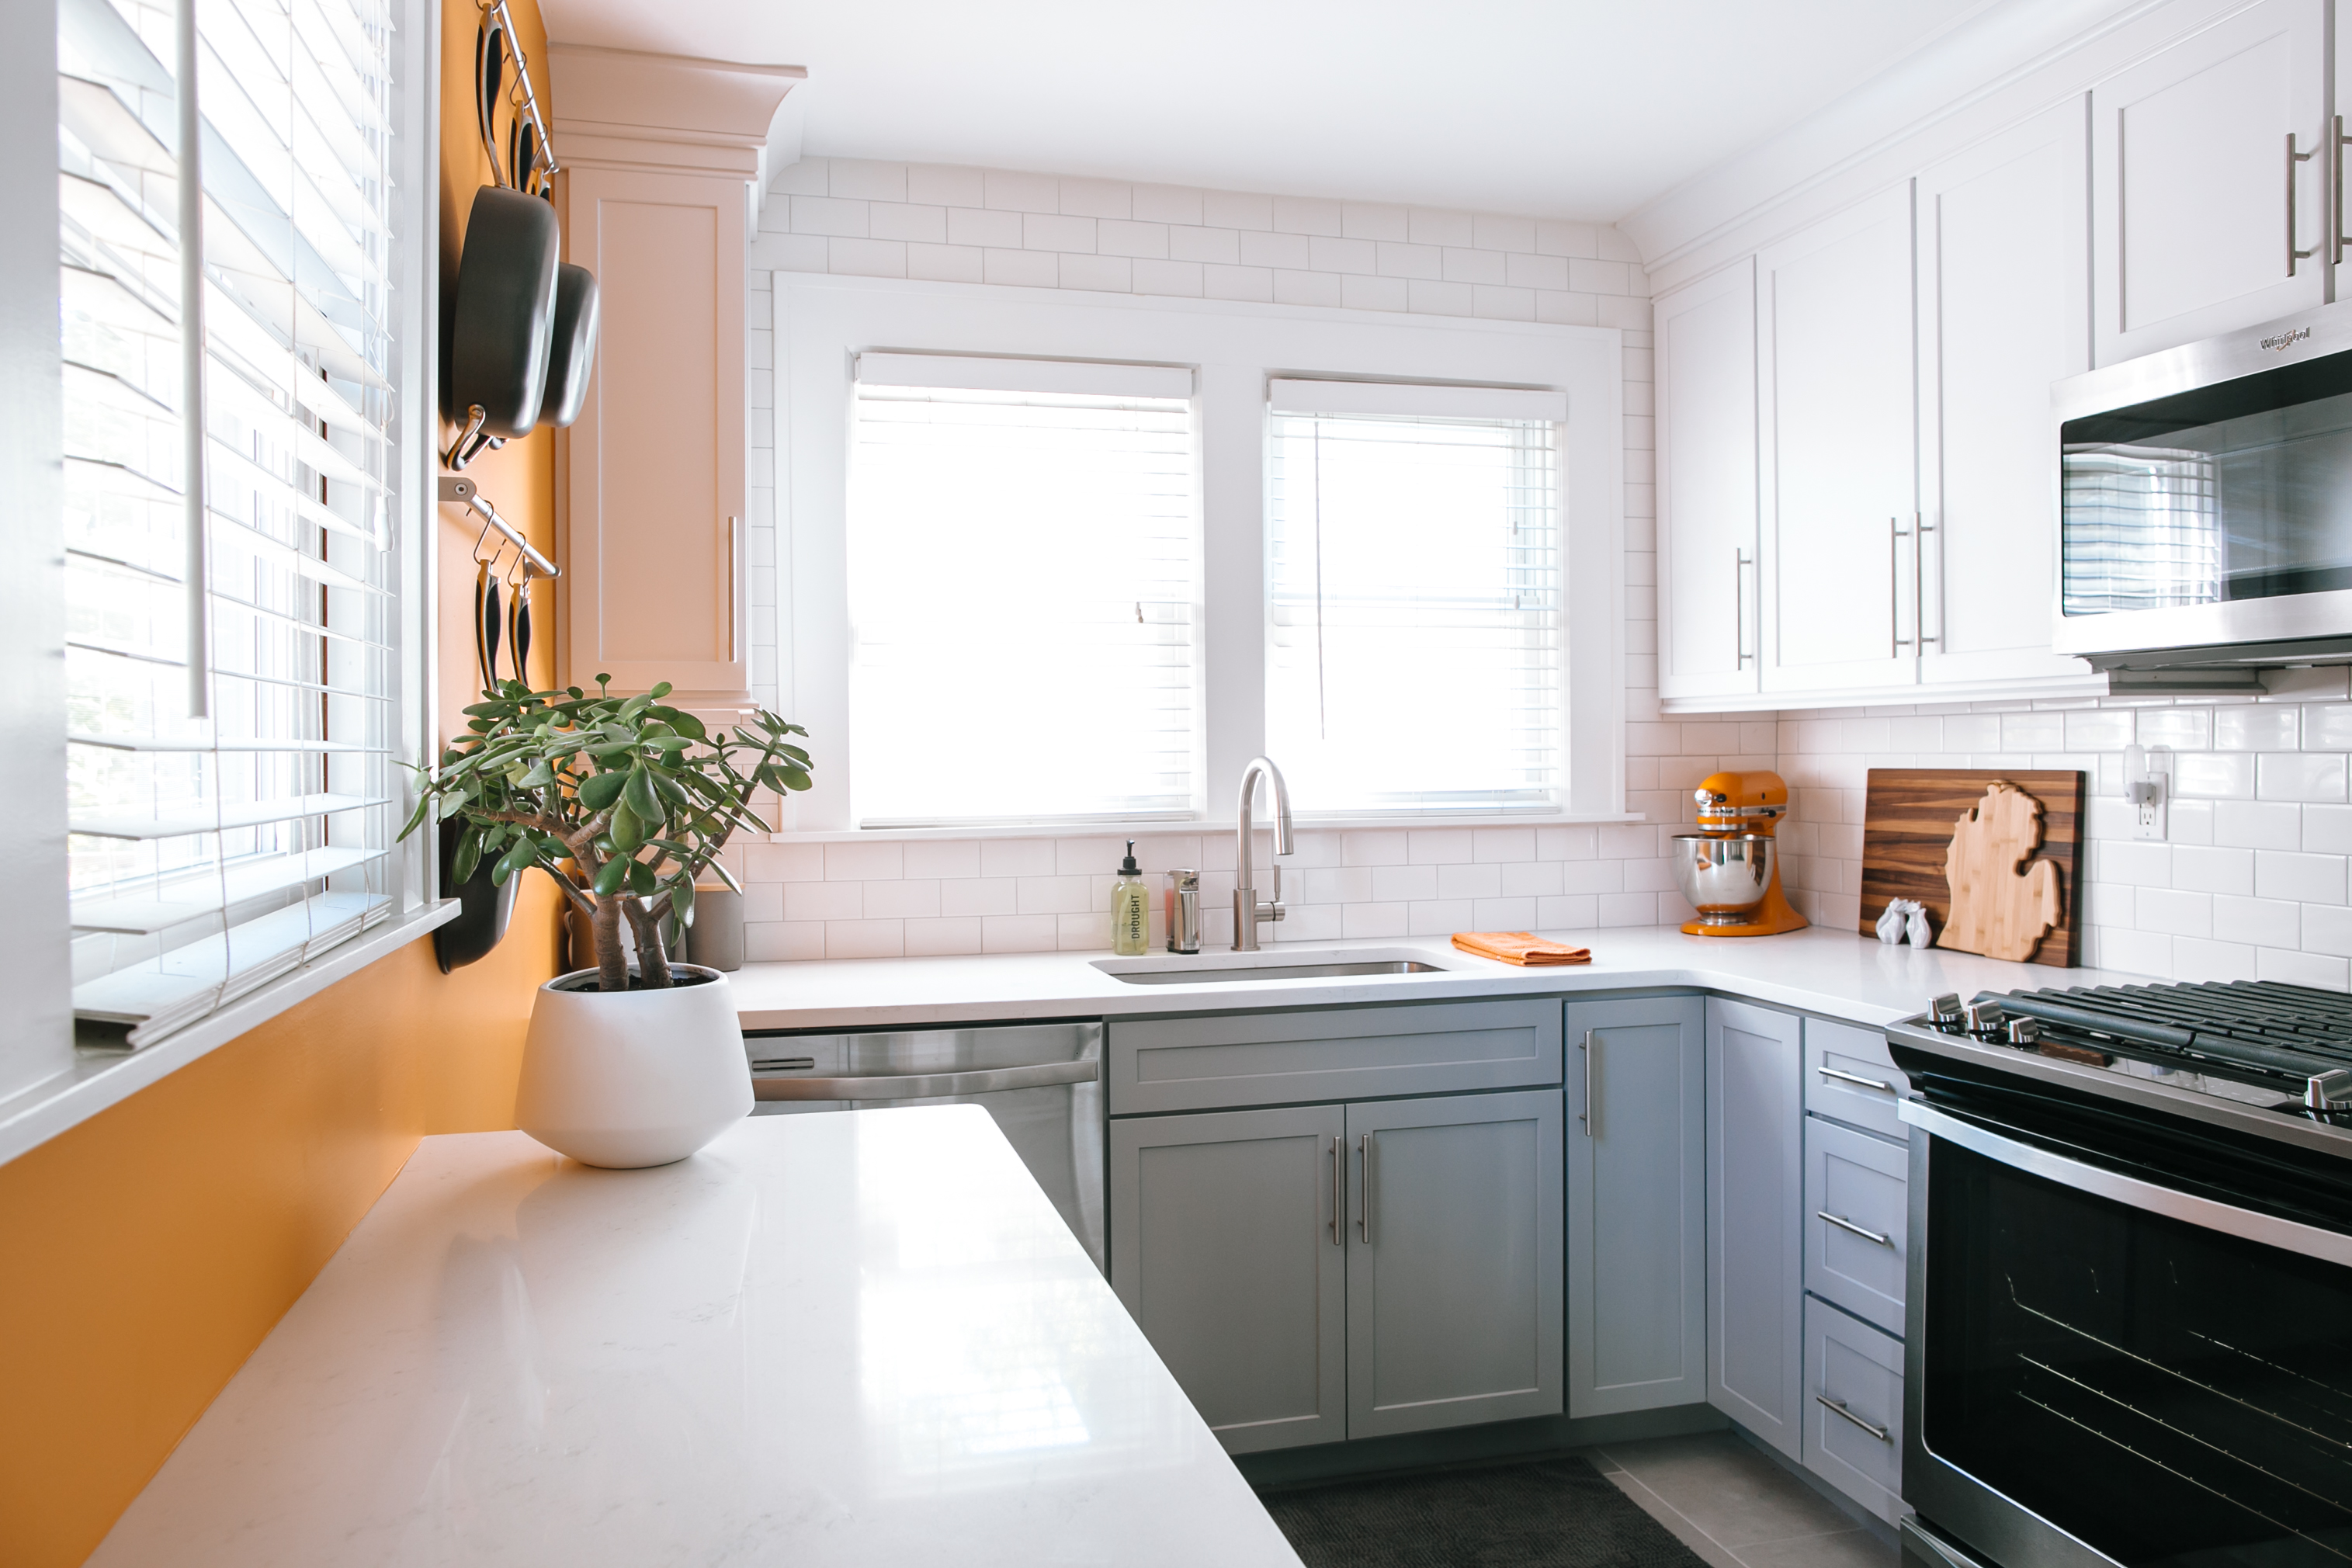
[[1854, 1408], [1226, 1248], [1636, 1203], [1423, 1291], [1755, 1237], [1453, 1261], [1857, 1212], [1852, 1075]]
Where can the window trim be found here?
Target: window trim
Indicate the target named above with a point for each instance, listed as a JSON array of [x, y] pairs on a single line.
[[824, 322]]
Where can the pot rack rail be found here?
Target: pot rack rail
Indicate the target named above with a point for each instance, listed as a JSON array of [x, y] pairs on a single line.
[[498, 23], [458, 491]]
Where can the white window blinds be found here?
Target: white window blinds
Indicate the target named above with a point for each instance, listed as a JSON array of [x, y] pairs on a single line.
[[1023, 542], [1414, 651], [227, 478]]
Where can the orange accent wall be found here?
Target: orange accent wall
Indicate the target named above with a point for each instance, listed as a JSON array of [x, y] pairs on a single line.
[[145, 1253]]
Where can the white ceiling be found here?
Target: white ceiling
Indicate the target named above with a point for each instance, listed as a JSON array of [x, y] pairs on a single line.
[[1581, 108]]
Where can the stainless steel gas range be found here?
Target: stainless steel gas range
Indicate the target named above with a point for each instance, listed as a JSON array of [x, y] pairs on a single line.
[[2129, 1332]]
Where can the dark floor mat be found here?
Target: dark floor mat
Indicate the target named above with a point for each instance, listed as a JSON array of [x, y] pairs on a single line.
[[1554, 1513]]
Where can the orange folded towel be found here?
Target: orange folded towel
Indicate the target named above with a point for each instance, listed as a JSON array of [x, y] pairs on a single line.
[[1520, 947]]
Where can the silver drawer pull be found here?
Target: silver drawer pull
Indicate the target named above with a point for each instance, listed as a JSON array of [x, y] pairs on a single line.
[[1856, 1080], [1844, 1223], [1826, 1403], [785, 1064], [926, 1086]]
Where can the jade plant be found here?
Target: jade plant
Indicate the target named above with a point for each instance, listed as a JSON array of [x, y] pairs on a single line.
[[624, 800]]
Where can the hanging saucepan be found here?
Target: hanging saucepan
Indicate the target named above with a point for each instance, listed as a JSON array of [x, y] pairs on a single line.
[[572, 351], [501, 326]]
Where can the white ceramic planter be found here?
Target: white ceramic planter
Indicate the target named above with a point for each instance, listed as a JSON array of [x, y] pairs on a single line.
[[633, 1078]]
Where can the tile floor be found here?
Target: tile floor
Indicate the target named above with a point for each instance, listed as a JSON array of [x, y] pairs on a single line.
[[1737, 1509]]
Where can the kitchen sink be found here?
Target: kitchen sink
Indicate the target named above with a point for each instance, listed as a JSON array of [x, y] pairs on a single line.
[[1227, 973]]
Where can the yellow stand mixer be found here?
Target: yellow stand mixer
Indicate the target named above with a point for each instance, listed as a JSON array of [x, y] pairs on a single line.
[[1730, 868]]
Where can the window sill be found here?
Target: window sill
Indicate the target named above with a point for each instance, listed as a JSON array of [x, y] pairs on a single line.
[[1168, 827], [100, 1079]]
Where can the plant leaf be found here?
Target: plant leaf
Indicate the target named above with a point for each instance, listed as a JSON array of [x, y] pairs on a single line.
[[681, 898], [638, 795], [601, 791], [626, 830], [469, 855], [609, 875]]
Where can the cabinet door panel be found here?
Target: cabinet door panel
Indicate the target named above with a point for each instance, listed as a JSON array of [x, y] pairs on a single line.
[[1838, 455], [654, 580], [2191, 172], [1854, 1177], [1636, 1204], [1222, 1250], [1454, 1261], [1853, 1366], [1755, 1175], [1852, 1075], [2004, 292], [1707, 486]]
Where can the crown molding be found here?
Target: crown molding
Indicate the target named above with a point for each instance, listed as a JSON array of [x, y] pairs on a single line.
[[628, 109]]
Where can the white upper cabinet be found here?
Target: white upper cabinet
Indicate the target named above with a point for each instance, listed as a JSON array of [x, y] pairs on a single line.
[[2004, 311], [1839, 442], [2203, 210], [1707, 486]]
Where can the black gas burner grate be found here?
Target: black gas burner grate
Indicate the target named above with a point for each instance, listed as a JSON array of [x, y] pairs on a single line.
[[2260, 1031]]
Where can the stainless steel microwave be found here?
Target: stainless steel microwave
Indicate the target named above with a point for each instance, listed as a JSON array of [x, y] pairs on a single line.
[[2205, 502]]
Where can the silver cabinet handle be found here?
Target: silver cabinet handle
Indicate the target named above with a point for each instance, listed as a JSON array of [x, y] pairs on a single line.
[[1585, 1115], [1826, 1403], [1896, 534], [1857, 1080], [1843, 1224], [734, 590], [1338, 1143], [926, 1086], [1740, 564], [2293, 158], [1920, 528], [1364, 1210], [2337, 240]]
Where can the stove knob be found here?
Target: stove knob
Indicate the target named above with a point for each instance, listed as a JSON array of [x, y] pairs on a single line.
[[2330, 1091], [1985, 1017], [1944, 1012], [2024, 1031]]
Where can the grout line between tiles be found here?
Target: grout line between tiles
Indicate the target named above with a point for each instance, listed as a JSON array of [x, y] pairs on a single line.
[[1709, 1549]]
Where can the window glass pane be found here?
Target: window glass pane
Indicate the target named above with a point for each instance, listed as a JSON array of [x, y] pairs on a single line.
[[1022, 580], [209, 855], [1414, 656]]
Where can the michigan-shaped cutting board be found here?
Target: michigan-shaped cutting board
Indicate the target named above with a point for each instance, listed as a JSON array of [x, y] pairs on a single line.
[[1908, 817]]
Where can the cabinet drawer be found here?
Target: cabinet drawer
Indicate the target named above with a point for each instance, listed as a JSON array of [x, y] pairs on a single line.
[[1850, 1074], [1281, 1059], [1857, 1202], [1854, 1408]]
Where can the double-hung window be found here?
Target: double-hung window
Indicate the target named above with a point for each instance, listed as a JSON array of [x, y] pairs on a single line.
[[1023, 549], [231, 481], [1415, 646]]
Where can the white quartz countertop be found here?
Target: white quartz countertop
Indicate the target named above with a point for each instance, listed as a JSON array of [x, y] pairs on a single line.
[[864, 1339], [1836, 974]]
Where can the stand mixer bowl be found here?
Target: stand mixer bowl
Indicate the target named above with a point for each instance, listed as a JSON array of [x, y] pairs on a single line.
[[1724, 876]]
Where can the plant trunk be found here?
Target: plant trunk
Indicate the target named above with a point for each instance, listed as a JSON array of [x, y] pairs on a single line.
[[612, 963], [653, 963]]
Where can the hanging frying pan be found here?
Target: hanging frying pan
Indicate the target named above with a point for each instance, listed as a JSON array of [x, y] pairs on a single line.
[[572, 352], [499, 333]]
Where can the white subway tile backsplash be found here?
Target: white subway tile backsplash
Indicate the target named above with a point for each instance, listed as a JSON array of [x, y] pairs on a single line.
[[1470, 882], [1398, 884], [2300, 775], [2306, 878], [1017, 858], [2212, 870], [861, 862], [2257, 727], [2215, 775], [2255, 825], [1439, 846], [823, 901], [936, 857], [1019, 933]]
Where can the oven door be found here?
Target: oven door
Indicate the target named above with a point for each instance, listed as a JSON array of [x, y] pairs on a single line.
[[2101, 1370]]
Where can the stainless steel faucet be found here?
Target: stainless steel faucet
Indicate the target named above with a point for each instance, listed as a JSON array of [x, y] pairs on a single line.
[[1248, 911]]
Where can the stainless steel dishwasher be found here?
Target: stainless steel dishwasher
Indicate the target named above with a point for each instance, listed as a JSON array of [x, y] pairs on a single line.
[[1042, 1082]]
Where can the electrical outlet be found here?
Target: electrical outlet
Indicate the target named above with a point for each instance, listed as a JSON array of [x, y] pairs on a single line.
[[2148, 816]]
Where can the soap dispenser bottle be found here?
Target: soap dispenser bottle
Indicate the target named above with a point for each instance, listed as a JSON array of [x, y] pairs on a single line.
[[1131, 912]]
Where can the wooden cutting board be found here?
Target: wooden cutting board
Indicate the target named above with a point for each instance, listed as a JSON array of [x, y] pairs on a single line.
[[1908, 819]]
